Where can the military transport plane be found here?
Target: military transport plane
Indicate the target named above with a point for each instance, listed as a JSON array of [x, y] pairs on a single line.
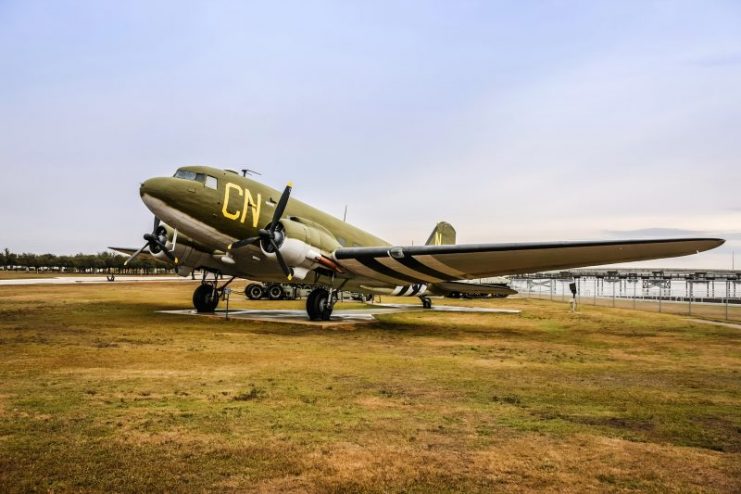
[[229, 225]]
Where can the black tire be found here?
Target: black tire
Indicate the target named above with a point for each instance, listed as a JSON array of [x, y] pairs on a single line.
[[318, 306], [275, 292], [205, 298], [254, 291], [426, 302]]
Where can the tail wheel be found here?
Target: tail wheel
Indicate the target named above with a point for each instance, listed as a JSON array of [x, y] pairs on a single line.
[[275, 292], [254, 291]]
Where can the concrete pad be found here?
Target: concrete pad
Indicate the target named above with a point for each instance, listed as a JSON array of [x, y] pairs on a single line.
[[339, 317]]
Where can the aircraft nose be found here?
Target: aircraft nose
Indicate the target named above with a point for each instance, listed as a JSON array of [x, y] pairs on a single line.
[[155, 187]]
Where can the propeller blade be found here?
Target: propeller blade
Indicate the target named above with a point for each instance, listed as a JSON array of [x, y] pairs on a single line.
[[286, 270], [153, 239], [278, 214], [156, 224], [243, 242], [131, 258]]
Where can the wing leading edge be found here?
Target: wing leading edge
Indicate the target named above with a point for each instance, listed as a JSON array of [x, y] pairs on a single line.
[[435, 263]]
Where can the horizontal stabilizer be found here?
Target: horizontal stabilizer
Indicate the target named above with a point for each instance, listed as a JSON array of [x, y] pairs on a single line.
[[447, 287]]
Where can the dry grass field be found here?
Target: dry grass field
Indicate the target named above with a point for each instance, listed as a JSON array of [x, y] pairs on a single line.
[[100, 393]]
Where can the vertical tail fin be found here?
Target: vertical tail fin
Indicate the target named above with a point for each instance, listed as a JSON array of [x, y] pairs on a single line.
[[443, 234]]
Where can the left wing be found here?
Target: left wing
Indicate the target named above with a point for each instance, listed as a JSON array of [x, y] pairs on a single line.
[[435, 263]]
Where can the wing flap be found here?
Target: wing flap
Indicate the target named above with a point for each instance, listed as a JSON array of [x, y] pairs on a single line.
[[435, 263]]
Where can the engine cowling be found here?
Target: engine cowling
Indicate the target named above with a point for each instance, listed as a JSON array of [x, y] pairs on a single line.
[[187, 254], [304, 245]]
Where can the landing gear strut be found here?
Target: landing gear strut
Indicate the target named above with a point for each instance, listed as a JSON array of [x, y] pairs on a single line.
[[206, 296], [426, 302], [319, 304]]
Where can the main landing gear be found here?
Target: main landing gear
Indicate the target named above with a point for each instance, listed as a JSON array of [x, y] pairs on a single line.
[[206, 296], [426, 302], [320, 303]]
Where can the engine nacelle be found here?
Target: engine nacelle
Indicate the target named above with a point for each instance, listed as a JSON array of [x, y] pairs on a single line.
[[188, 256], [305, 246]]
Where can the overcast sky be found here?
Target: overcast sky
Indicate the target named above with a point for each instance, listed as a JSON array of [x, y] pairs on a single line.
[[514, 121]]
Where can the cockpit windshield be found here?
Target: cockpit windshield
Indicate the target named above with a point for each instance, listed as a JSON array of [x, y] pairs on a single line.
[[189, 175], [207, 180]]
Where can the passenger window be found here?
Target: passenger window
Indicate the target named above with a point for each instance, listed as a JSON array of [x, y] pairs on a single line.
[[211, 182]]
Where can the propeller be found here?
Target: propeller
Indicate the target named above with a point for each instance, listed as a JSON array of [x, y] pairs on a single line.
[[156, 243], [271, 237]]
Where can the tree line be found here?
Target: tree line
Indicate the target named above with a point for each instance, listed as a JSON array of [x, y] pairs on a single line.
[[79, 263]]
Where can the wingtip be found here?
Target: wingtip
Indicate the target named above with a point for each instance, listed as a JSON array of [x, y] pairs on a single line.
[[710, 243]]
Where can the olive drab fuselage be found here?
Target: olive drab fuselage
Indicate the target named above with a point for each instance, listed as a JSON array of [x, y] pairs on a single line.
[[210, 216]]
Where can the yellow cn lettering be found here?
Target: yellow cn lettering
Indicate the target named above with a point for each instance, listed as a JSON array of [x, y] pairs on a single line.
[[249, 201], [225, 208], [438, 238]]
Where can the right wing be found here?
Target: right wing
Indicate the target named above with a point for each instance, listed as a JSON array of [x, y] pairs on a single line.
[[435, 263]]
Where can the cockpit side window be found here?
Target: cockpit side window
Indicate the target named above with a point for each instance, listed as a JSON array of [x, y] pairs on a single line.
[[212, 182]]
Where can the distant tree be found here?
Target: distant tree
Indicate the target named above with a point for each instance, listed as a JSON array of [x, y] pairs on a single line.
[[79, 262], [11, 259], [47, 260]]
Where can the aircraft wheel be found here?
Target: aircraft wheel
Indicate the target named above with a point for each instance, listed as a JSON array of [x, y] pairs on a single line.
[[426, 302], [318, 305], [205, 298], [275, 292], [254, 291]]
